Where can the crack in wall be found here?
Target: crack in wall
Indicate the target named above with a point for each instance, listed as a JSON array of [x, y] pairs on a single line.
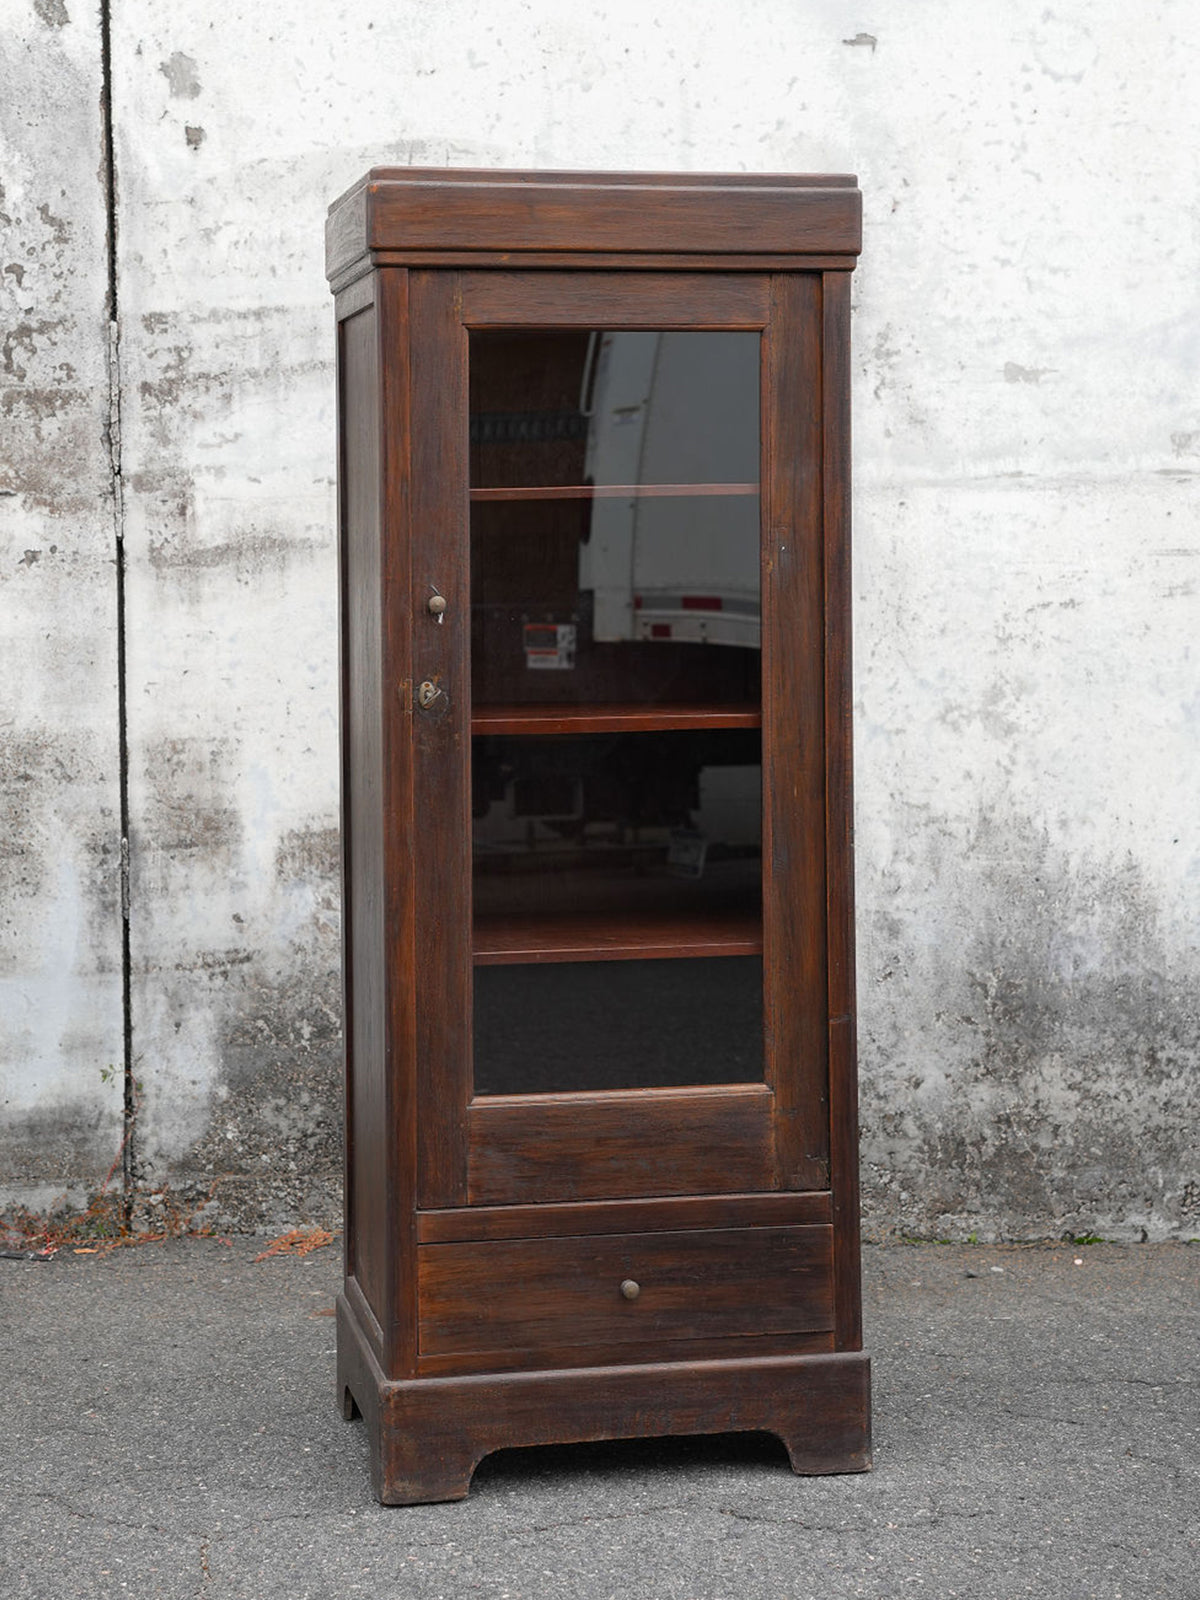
[[109, 180]]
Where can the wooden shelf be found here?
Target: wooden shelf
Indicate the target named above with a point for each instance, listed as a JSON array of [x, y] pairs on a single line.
[[615, 936], [613, 491], [546, 719]]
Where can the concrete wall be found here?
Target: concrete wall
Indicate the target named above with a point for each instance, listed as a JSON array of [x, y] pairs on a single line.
[[61, 1034], [1027, 442]]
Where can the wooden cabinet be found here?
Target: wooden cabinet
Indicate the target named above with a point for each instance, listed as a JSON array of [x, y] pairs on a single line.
[[601, 1172]]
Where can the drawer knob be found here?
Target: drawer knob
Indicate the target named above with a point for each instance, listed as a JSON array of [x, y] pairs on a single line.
[[630, 1289]]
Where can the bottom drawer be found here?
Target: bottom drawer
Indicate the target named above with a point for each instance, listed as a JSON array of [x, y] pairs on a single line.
[[618, 1289]]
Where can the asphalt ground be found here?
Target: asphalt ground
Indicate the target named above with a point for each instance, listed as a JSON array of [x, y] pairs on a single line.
[[168, 1426]]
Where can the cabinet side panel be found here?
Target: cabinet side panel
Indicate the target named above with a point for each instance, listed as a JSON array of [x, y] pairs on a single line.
[[400, 843], [843, 1076], [362, 811], [793, 713]]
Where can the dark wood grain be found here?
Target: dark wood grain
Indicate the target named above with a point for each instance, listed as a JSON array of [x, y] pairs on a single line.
[[613, 491], [843, 1073], [441, 736], [423, 212], [620, 1143], [732, 1347], [398, 1132], [622, 1216], [346, 231], [794, 957], [347, 236], [426, 217], [615, 936], [367, 1320], [357, 297], [552, 719], [429, 1435], [605, 299], [701, 1283], [368, 1257], [610, 260]]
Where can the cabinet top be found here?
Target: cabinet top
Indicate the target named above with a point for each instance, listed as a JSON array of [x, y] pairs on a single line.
[[398, 216]]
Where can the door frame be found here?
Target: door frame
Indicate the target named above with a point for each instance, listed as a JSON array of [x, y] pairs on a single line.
[[774, 1135]]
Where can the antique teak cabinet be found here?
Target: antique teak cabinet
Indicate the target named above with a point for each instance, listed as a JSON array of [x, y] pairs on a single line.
[[601, 1129]]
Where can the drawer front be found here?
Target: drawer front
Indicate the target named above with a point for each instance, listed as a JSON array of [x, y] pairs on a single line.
[[526, 1294]]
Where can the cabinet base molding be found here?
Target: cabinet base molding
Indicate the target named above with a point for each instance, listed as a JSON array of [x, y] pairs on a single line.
[[427, 1435]]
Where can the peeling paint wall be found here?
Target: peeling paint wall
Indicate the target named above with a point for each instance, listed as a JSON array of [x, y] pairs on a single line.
[[1027, 573], [61, 1039], [1027, 443], [228, 424]]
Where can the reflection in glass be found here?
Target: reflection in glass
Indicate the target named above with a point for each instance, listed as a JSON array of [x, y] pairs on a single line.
[[616, 764], [605, 824], [614, 516]]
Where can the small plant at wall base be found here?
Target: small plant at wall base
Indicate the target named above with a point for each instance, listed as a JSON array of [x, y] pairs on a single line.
[[106, 1222]]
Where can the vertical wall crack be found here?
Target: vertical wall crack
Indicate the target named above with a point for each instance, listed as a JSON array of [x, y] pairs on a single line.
[[112, 297]]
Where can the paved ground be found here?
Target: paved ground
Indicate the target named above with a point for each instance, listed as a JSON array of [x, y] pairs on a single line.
[[167, 1427]]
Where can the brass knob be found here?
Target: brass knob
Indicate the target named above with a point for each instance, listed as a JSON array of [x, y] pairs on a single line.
[[630, 1289], [437, 606]]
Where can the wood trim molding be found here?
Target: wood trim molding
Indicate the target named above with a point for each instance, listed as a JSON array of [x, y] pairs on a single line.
[[645, 214]]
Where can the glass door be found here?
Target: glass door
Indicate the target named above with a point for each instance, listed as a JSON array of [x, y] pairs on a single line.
[[620, 1034], [616, 767]]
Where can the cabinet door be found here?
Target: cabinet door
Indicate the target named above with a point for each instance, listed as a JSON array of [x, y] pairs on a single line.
[[619, 890]]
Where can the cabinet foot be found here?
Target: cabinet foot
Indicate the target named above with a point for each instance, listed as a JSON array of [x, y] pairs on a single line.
[[429, 1434], [814, 1455], [410, 1473], [411, 1464]]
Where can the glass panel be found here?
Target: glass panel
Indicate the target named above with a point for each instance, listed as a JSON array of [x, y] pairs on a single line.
[[617, 1025], [616, 750], [643, 824], [614, 517], [634, 847]]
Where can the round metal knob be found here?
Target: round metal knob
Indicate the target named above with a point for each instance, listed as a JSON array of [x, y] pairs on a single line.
[[437, 605], [630, 1289]]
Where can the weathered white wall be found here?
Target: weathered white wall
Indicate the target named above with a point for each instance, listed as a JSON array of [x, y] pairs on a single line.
[[1027, 415], [60, 939], [227, 434], [1028, 438]]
